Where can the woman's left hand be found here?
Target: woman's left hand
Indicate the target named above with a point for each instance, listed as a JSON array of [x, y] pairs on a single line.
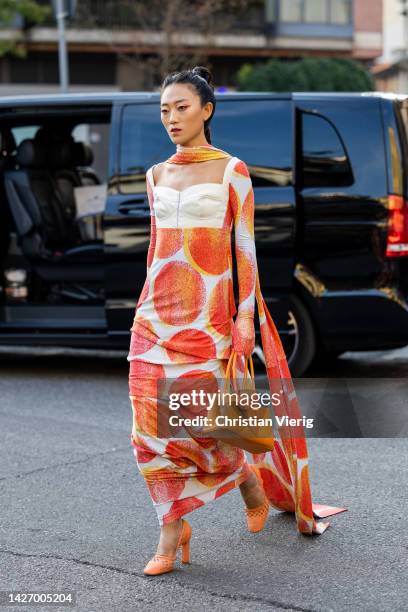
[[243, 334]]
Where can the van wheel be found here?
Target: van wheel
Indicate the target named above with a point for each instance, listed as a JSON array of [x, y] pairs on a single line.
[[298, 339]]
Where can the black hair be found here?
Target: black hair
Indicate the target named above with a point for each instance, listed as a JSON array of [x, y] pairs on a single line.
[[201, 78]]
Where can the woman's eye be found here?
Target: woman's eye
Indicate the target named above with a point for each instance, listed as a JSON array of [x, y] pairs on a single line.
[[179, 108]]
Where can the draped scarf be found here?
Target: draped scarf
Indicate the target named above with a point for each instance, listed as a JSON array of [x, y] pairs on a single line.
[[284, 470]]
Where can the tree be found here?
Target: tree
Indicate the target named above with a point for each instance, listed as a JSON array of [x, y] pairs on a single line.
[[306, 74], [170, 25], [31, 11]]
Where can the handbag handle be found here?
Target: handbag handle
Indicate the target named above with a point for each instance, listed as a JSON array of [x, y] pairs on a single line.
[[231, 366], [251, 365]]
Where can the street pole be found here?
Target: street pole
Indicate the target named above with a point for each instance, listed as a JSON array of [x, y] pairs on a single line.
[[62, 47], [404, 13]]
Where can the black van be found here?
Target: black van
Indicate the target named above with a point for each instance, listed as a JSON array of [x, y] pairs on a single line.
[[331, 220]]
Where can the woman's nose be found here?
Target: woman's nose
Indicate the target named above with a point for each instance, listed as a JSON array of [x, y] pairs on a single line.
[[172, 114]]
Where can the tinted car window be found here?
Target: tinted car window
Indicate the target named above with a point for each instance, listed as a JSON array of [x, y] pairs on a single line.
[[143, 142], [256, 131], [22, 132], [325, 162], [96, 136], [260, 133]]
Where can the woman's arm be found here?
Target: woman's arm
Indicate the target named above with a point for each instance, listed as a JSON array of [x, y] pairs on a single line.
[[243, 210], [152, 243]]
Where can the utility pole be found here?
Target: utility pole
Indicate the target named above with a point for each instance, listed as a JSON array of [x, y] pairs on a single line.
[[63, 9], [404, 13], [62, 47]]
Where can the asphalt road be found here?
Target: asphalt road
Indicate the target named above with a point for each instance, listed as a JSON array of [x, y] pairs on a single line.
[[76, 515]]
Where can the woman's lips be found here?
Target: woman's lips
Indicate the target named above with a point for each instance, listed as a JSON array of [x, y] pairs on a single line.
[[175, 131]]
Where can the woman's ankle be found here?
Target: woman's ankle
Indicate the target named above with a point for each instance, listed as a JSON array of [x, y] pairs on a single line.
[[252, 493], [169, 535]]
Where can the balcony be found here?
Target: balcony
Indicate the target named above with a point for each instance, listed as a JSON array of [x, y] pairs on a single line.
[[130, 15]]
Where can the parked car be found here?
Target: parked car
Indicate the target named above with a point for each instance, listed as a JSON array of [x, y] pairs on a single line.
[[331, 221]]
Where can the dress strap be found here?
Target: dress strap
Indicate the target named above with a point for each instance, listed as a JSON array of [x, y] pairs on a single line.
[[149, 175]]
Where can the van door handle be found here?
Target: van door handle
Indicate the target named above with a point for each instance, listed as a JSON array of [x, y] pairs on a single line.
[[135, 208]]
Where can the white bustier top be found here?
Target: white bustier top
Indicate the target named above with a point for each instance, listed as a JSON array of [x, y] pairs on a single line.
[[186, 307], [200, 205]]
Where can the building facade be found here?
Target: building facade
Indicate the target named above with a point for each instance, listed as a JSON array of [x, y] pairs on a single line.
[[391, 69], [111, 47]]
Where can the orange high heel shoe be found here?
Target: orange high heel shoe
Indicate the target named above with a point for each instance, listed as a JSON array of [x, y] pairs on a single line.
[[256, 517], [160, 564]]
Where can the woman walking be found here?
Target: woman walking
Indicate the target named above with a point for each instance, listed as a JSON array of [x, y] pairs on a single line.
[[183, 329]]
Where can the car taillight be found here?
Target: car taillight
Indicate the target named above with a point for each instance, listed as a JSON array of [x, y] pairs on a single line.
[[397, 239]]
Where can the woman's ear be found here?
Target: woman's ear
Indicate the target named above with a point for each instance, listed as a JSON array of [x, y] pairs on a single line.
[[208, 109]]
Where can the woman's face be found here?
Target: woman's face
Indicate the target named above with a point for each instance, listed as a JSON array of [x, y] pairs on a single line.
[[181, 108]]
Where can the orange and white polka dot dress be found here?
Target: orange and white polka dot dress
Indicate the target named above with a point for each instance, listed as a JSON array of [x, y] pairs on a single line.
[[183, 327], [187, 303]]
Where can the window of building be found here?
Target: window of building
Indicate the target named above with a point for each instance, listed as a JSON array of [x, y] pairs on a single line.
[[316, 11], [340, 11], [290, 10], [336, 12], [84, 69], [325, 161]]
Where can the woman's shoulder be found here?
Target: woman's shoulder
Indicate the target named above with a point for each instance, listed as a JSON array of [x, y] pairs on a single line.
[[153, 173], [238, 167], [156, 167]]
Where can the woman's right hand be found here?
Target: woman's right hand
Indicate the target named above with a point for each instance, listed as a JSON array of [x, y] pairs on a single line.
[[243, 334]]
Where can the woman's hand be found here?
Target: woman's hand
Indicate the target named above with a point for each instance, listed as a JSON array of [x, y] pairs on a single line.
[[243, 334]]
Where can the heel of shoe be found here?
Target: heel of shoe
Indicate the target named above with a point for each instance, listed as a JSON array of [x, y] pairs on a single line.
[[185, 552], [161, 564], [185, 542]]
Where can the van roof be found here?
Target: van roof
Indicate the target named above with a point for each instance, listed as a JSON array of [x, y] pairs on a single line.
[[111, 97]]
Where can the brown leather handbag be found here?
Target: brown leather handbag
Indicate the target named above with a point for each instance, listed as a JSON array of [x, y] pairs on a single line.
[[229, 420]]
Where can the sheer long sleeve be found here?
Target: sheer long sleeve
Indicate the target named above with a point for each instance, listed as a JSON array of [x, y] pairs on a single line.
[[243, 211], [152, 243]]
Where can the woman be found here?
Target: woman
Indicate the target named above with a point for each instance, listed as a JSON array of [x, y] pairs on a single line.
[[183, 328]]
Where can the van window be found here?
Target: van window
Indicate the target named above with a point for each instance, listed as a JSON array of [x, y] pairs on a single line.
[[403, 109], [324, 159], [96, 136], [257, 131], [143, 143], [398, 147], [20, 133], [260, 133]]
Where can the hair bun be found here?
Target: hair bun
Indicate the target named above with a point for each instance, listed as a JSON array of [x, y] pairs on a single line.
[[203, 72]]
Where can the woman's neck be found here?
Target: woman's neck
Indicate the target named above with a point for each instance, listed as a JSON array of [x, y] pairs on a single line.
[[188, 148]]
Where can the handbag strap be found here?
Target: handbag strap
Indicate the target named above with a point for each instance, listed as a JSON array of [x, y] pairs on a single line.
[[231, 369], [251, 365], [249, 381]]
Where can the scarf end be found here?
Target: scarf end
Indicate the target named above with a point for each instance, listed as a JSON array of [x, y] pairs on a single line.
[[285, 469]]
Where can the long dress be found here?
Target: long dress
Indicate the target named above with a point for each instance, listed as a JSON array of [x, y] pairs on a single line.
[[183, 327]]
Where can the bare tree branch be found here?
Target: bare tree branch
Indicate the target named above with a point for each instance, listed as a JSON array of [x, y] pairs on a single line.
[[175, 21]]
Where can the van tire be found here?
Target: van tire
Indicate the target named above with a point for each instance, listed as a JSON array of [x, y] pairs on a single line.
[[303, 354], [305, 342]]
